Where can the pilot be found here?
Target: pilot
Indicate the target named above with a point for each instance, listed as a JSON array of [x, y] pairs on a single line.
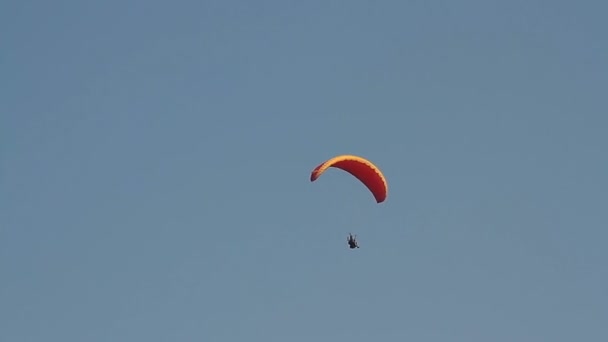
[[352, 241]]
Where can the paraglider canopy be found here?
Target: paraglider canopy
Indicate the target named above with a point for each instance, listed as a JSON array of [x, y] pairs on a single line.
[[361, 168]]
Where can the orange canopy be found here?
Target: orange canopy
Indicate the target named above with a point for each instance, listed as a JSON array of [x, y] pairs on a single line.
[[364, 170]]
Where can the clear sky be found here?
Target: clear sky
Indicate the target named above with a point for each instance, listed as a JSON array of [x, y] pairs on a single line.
[[155, 161]]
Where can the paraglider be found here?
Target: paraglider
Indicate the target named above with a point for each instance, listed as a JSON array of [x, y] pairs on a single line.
[[362, 169]]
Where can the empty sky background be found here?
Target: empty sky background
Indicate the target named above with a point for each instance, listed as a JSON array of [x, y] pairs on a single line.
[[155, 160]]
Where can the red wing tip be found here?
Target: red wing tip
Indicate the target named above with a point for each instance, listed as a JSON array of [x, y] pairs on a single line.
[[313, 176]]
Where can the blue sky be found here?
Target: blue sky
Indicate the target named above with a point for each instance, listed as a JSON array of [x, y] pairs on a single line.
[[155, 160]]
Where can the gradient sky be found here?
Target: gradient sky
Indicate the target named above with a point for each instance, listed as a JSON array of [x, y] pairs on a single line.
[[155, 161]]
